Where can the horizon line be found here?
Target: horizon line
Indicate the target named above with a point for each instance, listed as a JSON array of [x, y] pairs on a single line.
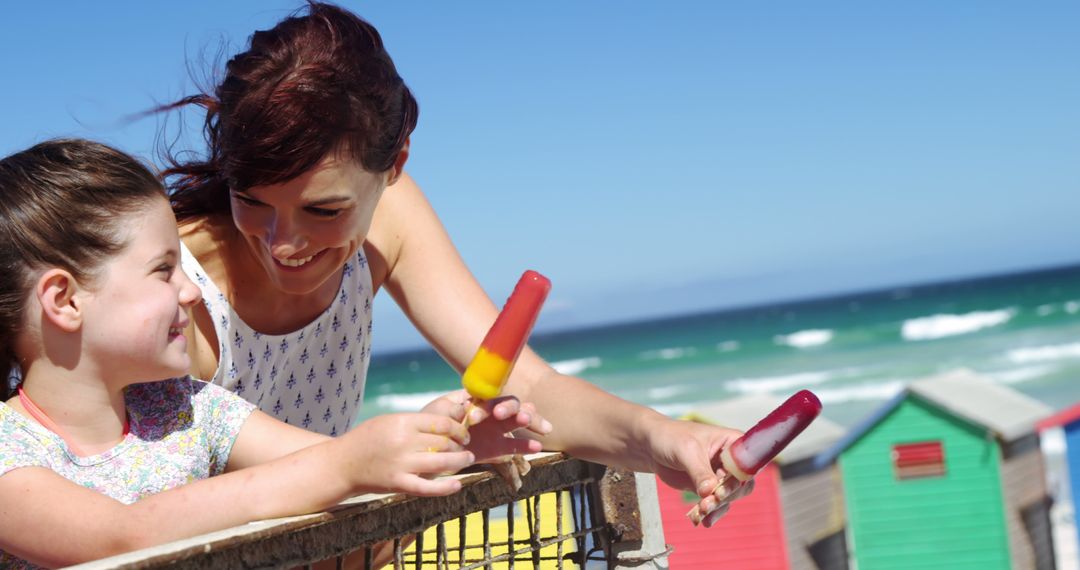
[[779, 301]]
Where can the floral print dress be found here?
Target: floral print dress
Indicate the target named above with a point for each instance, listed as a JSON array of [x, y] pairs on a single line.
[[180, 430]]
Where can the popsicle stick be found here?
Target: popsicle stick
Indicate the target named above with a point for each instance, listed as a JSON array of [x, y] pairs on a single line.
[[729, 484], [513, 468]]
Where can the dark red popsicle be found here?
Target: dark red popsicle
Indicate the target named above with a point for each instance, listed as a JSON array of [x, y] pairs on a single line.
[[761, 443]]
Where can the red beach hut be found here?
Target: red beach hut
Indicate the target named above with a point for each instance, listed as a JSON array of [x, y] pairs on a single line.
[[793, 519]]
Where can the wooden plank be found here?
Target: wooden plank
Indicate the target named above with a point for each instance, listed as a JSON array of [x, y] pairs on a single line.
[[359, 521]]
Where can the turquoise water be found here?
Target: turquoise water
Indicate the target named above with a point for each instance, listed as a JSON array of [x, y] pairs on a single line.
[[855, 351]]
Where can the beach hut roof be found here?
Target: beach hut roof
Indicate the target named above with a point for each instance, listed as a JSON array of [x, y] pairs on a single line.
[[743, 412], [1007, 413], [1064, 417]]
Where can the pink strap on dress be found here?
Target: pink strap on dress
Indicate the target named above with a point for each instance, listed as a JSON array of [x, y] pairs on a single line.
[[43, 419]]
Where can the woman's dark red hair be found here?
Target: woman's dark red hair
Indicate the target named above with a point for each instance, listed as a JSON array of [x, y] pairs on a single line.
[[316, 82]]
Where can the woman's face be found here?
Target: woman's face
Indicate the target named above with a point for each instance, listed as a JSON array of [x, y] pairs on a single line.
[[304, 230]]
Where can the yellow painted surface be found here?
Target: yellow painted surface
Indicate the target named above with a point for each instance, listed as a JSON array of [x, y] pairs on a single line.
[[498, 537]]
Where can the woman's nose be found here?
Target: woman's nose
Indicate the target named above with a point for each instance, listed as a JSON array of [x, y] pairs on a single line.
[[282, 238]]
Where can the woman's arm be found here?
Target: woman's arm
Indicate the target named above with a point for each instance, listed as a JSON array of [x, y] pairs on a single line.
[[427, 277], [386, 454]]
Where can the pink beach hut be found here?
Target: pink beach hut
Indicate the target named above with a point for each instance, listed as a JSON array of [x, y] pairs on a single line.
[[793, 519]]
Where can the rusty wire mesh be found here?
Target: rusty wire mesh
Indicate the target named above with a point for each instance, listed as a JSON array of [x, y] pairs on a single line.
[[553, 530], [562, 517]]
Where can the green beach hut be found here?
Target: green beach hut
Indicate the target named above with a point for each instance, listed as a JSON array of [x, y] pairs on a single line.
[[947, 474]]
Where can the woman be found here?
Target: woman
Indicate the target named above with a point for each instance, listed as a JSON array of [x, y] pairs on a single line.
[[301, 212]]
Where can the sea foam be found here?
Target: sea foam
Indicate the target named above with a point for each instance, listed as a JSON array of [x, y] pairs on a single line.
[[945, 325], [1070, 307], [728, 346], [577, 365], [408, 402], [672, 353], [664, 392], [1018, 375], [1043, 353], [805, 339], [768, 384], [882, 390]]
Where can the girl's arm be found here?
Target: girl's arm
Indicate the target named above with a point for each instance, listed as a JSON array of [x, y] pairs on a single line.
[[427, 277], [385, 454], [264, 438]]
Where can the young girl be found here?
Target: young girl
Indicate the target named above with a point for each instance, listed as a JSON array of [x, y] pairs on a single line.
[[104, 426]]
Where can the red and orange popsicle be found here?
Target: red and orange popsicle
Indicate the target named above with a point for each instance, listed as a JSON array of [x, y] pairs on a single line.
[[763, 442], [490, 367]]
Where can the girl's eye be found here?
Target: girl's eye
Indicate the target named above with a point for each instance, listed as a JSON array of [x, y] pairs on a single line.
[[165, 268]]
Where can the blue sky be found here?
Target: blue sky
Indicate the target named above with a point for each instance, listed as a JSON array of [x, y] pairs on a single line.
[[657, 158]]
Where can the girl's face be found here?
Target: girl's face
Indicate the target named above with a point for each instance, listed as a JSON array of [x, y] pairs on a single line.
[[304, 230], [138, 306]]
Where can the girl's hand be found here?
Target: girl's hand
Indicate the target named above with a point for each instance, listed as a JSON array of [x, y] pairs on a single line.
[[492, 423], [392, 454]]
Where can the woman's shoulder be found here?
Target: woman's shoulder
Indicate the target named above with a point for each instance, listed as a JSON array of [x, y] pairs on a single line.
[[205, 238], [207, 244], [403, 218]]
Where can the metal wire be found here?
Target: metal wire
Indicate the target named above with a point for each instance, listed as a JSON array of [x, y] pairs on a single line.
[[538, 550]]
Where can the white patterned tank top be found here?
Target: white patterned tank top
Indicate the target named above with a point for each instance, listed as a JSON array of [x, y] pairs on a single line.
[[312, 377]]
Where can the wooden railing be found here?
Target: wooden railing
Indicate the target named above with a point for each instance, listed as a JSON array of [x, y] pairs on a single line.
[[568, 514]]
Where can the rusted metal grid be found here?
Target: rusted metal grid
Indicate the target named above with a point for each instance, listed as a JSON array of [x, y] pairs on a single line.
[[594, 509]]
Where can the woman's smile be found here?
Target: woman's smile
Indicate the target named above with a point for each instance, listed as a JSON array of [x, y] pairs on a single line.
[[297, 263]]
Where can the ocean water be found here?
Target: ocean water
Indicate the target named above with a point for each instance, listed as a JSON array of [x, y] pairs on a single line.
[[855, 351]]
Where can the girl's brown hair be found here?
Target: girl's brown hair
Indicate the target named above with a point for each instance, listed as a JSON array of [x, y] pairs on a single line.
[[314, 83], [62, 204]]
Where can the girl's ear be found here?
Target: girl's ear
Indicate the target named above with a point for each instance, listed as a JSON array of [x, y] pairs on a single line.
[[399, 164], [61, 302]]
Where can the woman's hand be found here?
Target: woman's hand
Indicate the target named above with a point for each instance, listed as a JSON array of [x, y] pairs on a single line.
[[686, 455], [394, 452], [492, 423]]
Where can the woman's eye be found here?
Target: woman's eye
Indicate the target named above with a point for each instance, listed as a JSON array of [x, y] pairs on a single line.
[[323, 212], [247, 201]]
